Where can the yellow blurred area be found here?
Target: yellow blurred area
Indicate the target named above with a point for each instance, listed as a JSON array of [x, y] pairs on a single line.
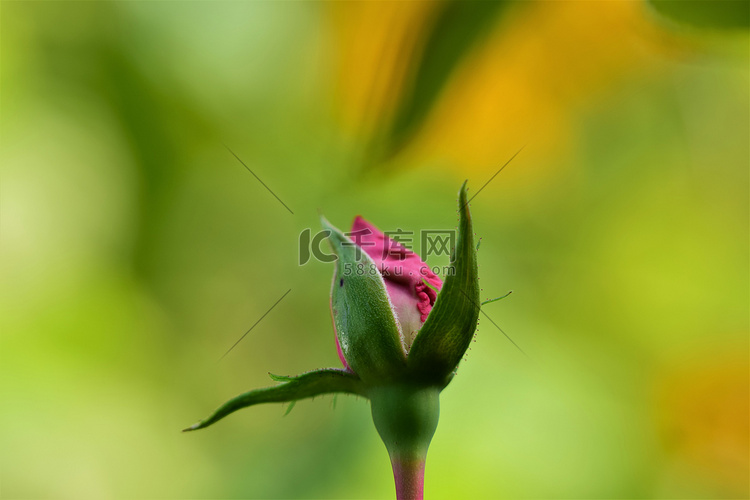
[[525, 84], [702, 404], [529, 81], [373, 43]]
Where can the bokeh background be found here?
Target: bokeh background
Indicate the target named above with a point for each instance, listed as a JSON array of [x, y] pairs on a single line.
[[136, 249]]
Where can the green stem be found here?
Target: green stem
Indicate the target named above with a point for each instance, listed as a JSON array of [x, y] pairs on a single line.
[[406, 417], [409, 477]]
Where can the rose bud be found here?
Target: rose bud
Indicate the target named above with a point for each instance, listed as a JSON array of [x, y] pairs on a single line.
[[400, 333]]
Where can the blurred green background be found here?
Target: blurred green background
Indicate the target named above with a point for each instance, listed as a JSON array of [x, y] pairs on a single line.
[[136, 249]]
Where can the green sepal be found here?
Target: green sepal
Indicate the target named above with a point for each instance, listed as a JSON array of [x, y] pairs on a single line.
[[490, 301], [290, 407], [307, 385], [281, 378], [449, 329], [362, 313]]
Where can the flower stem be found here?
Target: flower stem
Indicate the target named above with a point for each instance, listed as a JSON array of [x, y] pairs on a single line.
[[409, 477], [406, 417]]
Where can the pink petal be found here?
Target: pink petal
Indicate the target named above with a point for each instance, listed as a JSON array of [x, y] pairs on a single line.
[[403, 272]]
